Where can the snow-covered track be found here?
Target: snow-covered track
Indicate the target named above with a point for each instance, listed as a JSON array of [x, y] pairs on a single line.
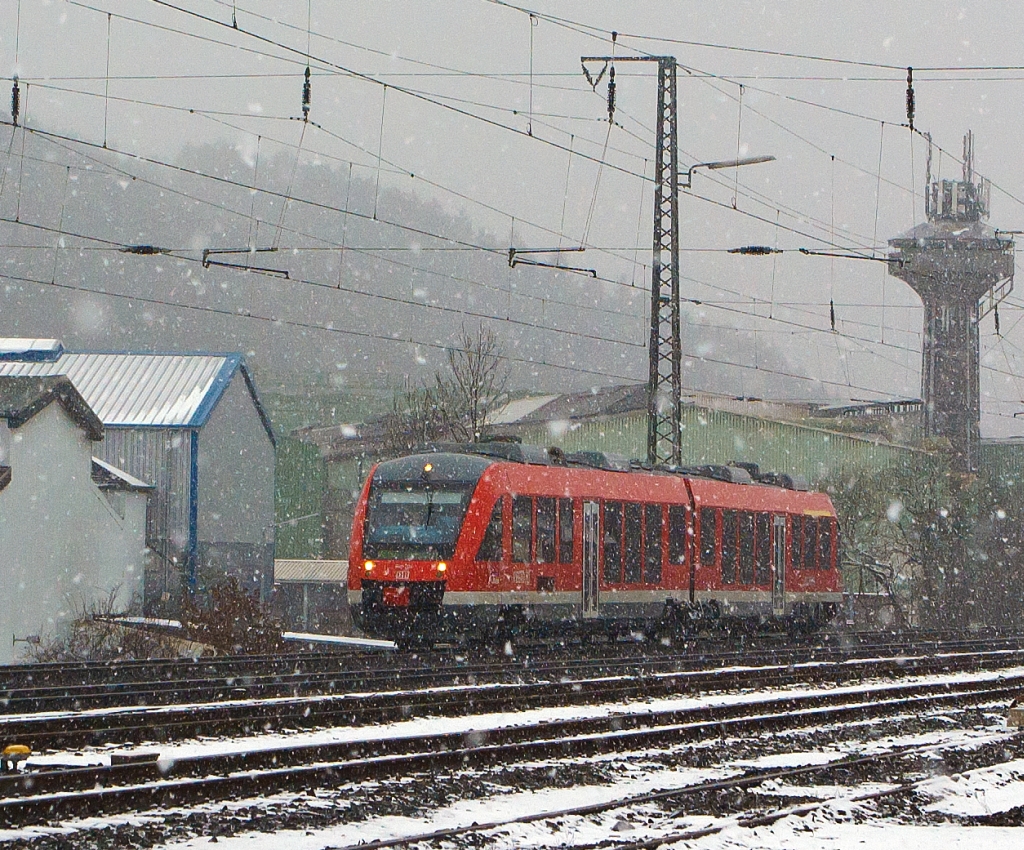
[[26, 689], [362, 704], [46, 795]]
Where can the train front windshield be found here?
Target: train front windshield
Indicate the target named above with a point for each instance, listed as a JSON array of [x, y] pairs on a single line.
[[415, 522]]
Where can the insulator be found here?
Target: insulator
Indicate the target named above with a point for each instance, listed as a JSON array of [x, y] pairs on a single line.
[[586, 74], [910, 97], [611, 94], [832, 312], [997, 320], [307, 96], [15, 101]]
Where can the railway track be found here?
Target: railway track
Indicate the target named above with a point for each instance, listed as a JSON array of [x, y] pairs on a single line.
[[678, 796], [47, 795], [92, 687], [551, 686]]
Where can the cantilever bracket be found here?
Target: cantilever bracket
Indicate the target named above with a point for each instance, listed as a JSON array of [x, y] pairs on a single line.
[[514, 260], [209, 252]]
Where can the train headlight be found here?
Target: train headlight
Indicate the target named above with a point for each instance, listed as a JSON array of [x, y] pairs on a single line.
[[442, 566], [368, 566]]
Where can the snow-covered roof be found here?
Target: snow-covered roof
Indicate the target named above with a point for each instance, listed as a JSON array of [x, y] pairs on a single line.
[[16, 348], [108, 476], [515, 410], [22, 397], [140, 390]]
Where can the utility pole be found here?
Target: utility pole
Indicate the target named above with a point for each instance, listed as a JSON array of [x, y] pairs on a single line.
[[665, 378], [665, 352]]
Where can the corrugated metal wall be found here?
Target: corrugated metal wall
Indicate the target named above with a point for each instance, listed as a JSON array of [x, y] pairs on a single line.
[[162, 458], [716, 436]]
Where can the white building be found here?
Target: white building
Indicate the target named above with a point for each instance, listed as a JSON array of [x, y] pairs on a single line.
[[193, 426], [72, 528]]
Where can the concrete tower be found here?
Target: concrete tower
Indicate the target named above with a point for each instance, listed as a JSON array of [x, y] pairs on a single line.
[[962, 268]]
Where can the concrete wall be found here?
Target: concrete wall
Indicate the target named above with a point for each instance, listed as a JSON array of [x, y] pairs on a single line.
[[236, 493], [63, 542]]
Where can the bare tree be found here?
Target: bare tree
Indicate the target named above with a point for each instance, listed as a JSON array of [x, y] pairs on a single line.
[[470, 388], [457, 405], [415, 420]]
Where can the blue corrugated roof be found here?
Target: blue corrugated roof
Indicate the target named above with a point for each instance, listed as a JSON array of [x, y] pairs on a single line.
[[145, 390]]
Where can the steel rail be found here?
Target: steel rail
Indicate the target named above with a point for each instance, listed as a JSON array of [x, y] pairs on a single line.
[[101, 673], [88, 791], [73, 730], [748, 780], [306, 679]]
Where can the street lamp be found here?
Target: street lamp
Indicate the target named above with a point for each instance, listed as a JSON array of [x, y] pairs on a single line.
[[725, 163]]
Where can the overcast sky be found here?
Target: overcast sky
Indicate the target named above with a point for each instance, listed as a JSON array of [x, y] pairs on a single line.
[[489, 109]]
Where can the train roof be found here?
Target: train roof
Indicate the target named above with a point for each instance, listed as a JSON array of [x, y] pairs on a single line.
[[513, 451]]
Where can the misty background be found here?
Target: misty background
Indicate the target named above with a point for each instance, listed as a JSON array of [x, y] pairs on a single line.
[[440, 135]]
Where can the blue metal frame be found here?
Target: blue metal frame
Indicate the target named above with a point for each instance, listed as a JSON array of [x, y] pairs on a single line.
[[216, 390], [192, 559]]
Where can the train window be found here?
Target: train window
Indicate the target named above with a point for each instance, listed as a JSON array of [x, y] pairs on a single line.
[[565, 531], [545, 529], [797, 537], [708, 532], [810, 541], [522, 529], [613, 542], [746, 548], [730, 521], [490, 547], [631, 549], [677, 534], [652, 544], [763, 555], [825, 531]]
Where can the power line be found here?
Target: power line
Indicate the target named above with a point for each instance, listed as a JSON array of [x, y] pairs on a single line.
[[333, 246]]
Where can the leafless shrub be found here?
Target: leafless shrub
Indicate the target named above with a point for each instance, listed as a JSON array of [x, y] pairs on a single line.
[[92, 633], [232, 621]]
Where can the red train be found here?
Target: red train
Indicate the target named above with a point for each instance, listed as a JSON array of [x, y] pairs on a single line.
[[493, 538]]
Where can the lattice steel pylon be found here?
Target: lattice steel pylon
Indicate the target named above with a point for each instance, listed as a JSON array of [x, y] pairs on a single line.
[[665, 379]]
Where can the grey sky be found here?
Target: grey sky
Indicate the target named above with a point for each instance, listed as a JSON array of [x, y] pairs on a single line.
[[476, 56]]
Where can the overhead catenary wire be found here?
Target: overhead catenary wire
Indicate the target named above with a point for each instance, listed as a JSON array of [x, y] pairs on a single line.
[[356, 74], [701, 282]]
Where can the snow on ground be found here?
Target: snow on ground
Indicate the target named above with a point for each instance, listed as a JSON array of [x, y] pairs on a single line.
[[789, 760], [467, 812], [979, 792], [816, 833]]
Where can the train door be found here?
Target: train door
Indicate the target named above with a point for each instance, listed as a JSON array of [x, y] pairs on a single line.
[[591, 535], [779, 566]]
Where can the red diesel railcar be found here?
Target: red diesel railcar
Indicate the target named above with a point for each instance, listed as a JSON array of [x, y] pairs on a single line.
[[502, 537]]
